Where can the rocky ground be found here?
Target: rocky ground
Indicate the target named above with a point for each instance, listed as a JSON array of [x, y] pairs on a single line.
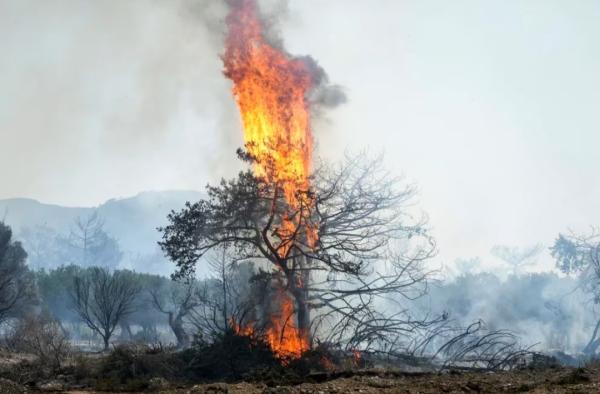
[[551, 380]]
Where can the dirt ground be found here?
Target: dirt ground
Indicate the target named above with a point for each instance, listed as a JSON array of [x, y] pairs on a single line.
[[546, 380], [557, 380]]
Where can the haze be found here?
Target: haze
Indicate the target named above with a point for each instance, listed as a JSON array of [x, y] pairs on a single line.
[[488, 106]]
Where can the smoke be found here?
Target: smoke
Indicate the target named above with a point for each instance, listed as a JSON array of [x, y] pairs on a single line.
[[105, 99], [273, 13], [545, 310], [324, 95], [108, 98]]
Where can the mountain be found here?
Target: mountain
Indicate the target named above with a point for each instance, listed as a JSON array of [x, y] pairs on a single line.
[[132, 221]]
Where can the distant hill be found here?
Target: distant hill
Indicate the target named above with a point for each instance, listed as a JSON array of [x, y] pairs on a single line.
[[132, 221]]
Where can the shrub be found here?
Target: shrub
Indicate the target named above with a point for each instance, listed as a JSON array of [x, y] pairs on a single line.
[[229, 357], [130, 367], [41, 336]]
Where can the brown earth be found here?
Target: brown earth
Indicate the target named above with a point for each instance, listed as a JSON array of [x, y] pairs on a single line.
[[551, 380], [559, 380], [530, 380]]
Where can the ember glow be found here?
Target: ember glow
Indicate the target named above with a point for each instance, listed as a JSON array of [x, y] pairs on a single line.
[[271, 89]]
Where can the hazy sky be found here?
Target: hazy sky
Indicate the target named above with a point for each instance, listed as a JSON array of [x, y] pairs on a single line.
[[489, 105]]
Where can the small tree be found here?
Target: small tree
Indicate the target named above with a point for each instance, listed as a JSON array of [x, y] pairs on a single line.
[[17, 290], [176, 303], [580, 255], [92, 245], [54, 288], [102, 299]]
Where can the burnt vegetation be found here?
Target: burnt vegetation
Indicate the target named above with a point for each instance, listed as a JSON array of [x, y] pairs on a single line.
[[343, 290], [350, 289]]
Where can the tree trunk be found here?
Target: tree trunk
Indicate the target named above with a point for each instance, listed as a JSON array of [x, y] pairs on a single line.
[[126, 334], [299, 291], [303, 311], [594, 343], [176, 324]]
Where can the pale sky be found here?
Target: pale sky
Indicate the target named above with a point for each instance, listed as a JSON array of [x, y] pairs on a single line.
[[490, 106]]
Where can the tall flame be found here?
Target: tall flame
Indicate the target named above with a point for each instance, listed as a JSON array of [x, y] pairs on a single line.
[[271, 89]]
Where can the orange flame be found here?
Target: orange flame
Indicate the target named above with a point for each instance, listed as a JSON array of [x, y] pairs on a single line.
[[282, 335], [271, 89]]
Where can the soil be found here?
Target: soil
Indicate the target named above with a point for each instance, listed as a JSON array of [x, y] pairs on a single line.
[[550, 380]]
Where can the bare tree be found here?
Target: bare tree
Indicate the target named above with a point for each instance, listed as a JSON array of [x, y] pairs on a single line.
[[179, 303], [226, 300], [103, 299], [94, 246], [517, 258], [580, 254], [209, 306], [17, 290], [348, 241]]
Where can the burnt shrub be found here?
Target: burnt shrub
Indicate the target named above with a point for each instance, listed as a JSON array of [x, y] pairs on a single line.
[[319, 359], [83, 367], [232, 357], [229, 356], [24, 372], [130, 367], [226, 356], [42, 337]]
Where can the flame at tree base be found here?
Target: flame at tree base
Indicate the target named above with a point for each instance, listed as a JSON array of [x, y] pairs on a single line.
[[281, 333]]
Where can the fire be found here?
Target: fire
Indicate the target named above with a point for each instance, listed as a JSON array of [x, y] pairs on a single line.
[[271, 89], [282, 335], [247, 330]]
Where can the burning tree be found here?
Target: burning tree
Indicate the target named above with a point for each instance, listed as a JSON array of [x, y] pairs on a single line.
[[328, 258], [322, 238], [334, 246]]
